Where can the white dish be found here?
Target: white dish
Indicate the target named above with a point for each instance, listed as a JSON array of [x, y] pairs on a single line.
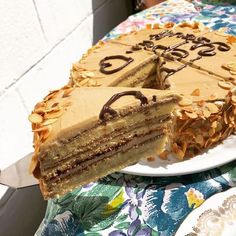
[[215, 217], [217, 156]]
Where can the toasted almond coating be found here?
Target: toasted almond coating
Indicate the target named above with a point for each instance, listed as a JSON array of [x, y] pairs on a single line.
[[35, 118], [206, 113], [53, 114], [196, 92], [67, 92], [212, 107], [49, 121], [225, 85], [185, 102], [164, 155], [233, 98], [199, 139], [151, 158], [191, 115]]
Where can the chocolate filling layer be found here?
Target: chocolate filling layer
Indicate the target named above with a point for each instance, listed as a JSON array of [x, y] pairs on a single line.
[[93, 146], [121, 147]]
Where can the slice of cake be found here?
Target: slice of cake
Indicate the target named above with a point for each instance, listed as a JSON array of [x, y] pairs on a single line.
[[110, 64], [82, 134]]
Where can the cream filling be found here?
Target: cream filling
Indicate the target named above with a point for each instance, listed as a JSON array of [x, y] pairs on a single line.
[[104, 145], [59, 151], [140, 77]]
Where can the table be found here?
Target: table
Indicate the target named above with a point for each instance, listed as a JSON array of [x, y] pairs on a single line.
[[121, 204]]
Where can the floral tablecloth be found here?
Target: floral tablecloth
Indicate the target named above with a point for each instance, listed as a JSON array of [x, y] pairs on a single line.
[[130, 205]]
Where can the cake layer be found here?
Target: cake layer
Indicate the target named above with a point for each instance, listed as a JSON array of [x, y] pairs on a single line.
[[99, 169], [121, 145]]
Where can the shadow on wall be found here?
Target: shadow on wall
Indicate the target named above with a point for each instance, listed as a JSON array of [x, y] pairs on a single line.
[[108, 14]]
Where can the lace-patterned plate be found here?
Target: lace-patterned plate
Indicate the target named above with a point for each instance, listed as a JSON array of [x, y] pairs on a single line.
[[215, 217]]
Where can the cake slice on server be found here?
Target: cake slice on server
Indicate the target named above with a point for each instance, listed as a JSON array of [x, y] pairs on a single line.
[[83, 134]]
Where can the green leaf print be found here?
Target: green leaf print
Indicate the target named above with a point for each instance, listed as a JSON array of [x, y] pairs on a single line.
[[92, 234], [104, 190], [232, 174], [154, 233], [122, 218], [124, 225], [139, 211]]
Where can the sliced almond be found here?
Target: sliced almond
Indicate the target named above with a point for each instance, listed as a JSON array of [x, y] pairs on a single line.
[[53, 114], [199, 139], [164, 155], [201, 103], [196, 92], [225, 85], [35, 118], [232, 72], [185, 102], [214, 124], [83, 82], [40, 129], [188, 109], [156, 26], [212, 97], [151, 158], [191, 115], [148, 26], [233, 98], [206, 113], [211, 132], [231, 39], [49, 121], [232, 65], [67, 92], [212, 107]]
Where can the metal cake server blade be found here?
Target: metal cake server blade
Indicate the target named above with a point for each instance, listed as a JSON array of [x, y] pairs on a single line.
[[17, 175]]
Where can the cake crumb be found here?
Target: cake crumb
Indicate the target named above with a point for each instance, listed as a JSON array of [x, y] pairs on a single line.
[[164, 155], [151, 158]]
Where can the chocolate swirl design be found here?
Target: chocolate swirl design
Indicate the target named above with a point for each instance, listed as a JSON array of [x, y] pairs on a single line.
[[107, 109], [223, 47], [104, 64], [161, 35], [147, 44], [209, 51]]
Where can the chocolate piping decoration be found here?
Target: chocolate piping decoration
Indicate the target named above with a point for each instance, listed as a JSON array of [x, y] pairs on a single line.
[[103, 64], [107, 109], [222, 46], [136, 47], [147, 43], [180, 53], [205, 52]]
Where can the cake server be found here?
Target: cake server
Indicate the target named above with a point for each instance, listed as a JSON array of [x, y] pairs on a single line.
[[17, 175]]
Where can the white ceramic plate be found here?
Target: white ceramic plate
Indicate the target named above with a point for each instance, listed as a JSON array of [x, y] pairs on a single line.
[[214, 157], [215, 217]]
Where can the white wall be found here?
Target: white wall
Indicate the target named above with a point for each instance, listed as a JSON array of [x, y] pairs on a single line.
[[39, 40]]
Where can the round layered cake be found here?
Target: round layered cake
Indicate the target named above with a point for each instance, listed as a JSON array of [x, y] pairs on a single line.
[[190, 59]]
